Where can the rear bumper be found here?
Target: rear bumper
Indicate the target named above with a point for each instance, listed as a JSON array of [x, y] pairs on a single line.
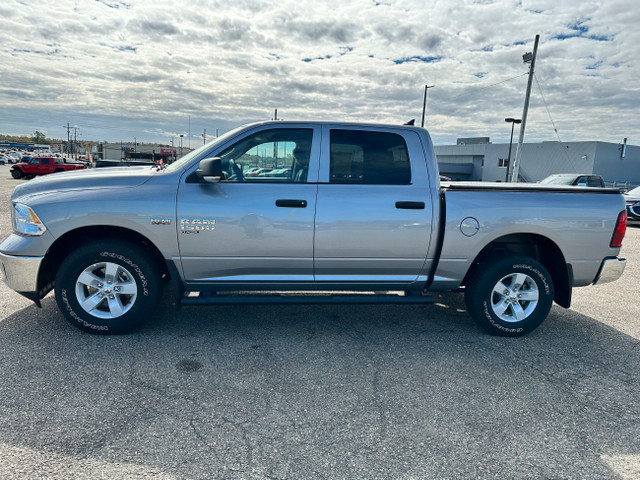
[[611, 270], [21, 273]]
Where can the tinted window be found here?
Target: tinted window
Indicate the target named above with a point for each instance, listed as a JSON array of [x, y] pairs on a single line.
[[366, 157], [594, 182]]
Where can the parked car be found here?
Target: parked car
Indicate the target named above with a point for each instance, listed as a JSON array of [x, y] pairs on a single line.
[[577, 179], [42, 166], [632, 199]]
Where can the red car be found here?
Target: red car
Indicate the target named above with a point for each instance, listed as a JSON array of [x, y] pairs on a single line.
[[43, 166]]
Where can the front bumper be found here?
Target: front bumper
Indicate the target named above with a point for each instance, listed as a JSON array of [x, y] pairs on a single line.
[[633, 210], [21, 273], [611, 270]]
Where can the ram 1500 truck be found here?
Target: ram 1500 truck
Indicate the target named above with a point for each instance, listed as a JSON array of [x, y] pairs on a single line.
[[357, 216], [42, 166]]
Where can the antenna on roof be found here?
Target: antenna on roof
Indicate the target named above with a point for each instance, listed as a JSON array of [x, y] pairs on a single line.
[[411, 122]]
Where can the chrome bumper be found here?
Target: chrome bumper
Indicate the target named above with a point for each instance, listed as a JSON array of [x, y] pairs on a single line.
[[611, 270], [20, 273]]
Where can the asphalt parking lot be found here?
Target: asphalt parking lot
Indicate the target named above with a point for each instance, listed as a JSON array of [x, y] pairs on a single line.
[[328, 392]]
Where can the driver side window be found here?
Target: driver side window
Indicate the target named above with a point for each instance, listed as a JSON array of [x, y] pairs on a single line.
[[280, 155]]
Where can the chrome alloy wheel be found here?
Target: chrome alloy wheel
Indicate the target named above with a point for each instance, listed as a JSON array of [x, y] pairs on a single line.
[[106, 290], [514, 297]]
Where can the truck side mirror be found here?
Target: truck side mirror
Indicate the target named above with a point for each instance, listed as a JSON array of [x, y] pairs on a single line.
[[209, 171]]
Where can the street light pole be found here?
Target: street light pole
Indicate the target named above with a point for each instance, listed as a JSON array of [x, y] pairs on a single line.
[[424, 103], [513, 122], [527, 58], [181, 135]]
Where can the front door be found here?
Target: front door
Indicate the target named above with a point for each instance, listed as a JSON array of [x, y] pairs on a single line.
[[256, 225]]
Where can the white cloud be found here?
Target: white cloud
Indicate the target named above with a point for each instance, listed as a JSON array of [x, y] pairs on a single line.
[[161, 62]]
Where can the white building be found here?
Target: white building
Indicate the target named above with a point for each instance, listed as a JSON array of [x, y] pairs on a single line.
[[479, 159]]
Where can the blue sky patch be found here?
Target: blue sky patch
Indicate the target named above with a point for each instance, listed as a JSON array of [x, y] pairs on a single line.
[[417, 59]]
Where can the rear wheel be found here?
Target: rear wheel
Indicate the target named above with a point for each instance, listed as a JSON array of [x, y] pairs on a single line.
[[108, 287], [510, 296]]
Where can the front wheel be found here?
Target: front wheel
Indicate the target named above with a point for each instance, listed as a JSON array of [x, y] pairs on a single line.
[[108, 287], [17, 174], [511, 296]]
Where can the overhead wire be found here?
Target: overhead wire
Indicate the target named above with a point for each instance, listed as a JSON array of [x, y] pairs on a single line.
[[551, 118], [488, 86], [547, 107]]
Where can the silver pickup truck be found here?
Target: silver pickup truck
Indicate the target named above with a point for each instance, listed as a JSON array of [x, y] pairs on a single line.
[[301, 212]]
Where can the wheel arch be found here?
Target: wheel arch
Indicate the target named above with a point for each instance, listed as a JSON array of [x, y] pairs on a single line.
[[541, 248], [64, 245]]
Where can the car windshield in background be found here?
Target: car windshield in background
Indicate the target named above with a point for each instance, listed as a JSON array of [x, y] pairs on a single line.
[[558, 180], [635, 192]]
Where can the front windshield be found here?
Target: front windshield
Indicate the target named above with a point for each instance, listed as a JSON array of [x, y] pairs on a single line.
[[182, 161]]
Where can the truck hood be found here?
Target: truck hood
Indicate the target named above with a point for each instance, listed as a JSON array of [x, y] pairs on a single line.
[[114, 177]]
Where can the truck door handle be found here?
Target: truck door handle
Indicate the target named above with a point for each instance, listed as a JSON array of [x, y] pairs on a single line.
[[410, 205], [291, 203]]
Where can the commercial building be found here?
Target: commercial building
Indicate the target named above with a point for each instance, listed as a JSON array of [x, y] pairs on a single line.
[[28, 147], [479, 159]]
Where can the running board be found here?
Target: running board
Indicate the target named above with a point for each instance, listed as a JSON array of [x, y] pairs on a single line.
[[276, 299]]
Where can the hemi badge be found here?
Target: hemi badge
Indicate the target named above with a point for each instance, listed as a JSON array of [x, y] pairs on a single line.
[[160, 221]]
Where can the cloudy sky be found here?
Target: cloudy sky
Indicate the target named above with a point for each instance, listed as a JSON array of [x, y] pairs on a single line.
[[152, 69]]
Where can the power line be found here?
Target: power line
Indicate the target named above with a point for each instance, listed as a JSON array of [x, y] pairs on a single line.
[[488, 86], [547, 107]]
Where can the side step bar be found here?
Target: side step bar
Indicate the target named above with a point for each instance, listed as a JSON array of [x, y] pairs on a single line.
[[278, 299]]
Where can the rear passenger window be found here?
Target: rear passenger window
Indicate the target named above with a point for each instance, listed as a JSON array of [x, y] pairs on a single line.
[[370, 158]]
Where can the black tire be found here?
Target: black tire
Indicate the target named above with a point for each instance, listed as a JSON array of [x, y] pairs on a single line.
[[509, 297], [16, 173], [108, 287]]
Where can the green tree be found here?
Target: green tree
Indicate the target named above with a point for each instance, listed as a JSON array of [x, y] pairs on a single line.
[[38, 137]]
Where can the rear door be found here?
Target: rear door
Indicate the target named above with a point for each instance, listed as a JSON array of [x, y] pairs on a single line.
[[249, 229], [373, 216]]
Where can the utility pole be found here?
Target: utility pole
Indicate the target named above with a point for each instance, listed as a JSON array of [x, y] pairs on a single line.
[[75, 139], [68, 136], [424, 103], [527, 58], [204, 137]]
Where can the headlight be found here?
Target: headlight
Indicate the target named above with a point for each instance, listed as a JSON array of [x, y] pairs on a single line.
[[25, 221]]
